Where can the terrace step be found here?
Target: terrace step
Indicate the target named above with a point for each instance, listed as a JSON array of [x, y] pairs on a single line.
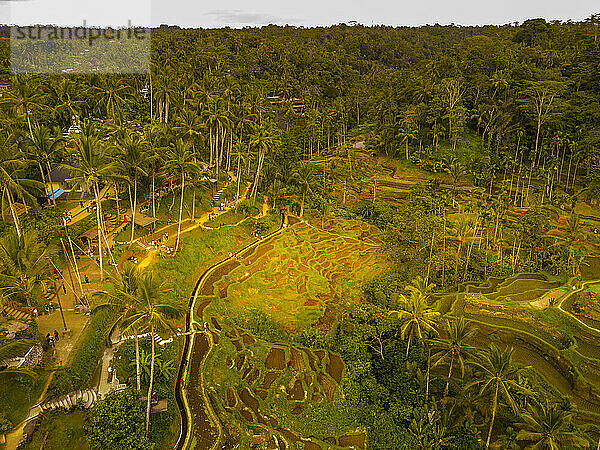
[[85, 397], [16, 313]]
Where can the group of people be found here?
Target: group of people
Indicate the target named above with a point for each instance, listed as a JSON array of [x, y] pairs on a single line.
[[160, 244], [90, 204], [52, 340], [67, 217], [48, 308]]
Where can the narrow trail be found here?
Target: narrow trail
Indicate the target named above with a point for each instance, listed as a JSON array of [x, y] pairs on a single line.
[[196, 352], [560, 305], [198, 222]]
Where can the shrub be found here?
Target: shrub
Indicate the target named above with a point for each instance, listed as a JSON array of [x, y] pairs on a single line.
[[118, 422]]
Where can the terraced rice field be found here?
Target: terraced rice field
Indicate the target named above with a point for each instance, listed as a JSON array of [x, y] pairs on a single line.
[[299, 277], [263, 392]]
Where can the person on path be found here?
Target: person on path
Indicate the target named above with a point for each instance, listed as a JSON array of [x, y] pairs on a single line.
[[56, 335], [81, 204], [35, 313], [87, 280]]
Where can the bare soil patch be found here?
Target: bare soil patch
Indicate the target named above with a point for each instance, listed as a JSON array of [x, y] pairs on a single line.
[[270, 377], [239, 361], [249, 400], [248, 339], [328, 385], [237, 344], [231, 398], [297, 359], [335, 367], [297, 391], [545, 301], [352, 440], [275, 359]]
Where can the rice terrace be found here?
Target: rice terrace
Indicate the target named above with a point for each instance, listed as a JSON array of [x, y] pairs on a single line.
[[302, 237]]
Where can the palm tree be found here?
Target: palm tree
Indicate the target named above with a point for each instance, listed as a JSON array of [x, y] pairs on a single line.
[[123, 301], [264, 140], [111, 92], [23, 261], [23, 98], [304, 175], [455, 346], [13, 180], [239, 153], [453, 167], [92, 166], [41, 147], [164, 368], [496, 376], [416, 315], [180, 159], [549, 427], [152, 311], [133, 157]]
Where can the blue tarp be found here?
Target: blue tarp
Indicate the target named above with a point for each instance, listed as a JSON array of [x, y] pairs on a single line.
[[57, 193]]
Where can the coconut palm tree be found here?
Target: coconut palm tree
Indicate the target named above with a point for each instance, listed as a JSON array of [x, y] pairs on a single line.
[[180, 160], [549, 427], [416, 315], [264, 140], [133, 157], [496, 376], [92, 166], [23, 261], [123, 301], [41, 146], [154, 312], [454, 347], [14, 181], [23, 98], [305, 176]]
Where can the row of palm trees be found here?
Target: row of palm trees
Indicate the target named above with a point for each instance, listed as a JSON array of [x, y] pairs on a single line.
[[495, 375]]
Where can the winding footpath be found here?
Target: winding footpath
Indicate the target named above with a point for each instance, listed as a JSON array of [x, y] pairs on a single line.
[[198, 345], [576, 291]]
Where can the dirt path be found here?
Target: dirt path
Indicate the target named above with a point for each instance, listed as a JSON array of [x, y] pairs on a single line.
[[582, 323]]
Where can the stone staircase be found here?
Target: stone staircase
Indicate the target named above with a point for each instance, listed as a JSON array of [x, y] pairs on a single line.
[[85, 397], [217, 197], [15, 313]]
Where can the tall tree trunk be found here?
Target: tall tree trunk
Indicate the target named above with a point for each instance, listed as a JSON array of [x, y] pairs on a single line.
[[239, 173], [134, 206], [151, 379], [153, 197], [137, 360], [180, 209], [494, 407], [44, 182], [449, 376], [50, 180], [99, 222]]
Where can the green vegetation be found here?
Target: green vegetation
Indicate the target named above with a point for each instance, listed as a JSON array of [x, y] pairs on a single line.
[[434, 285]]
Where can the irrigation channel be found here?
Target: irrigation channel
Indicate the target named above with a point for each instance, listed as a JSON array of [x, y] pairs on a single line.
[[200, 427]]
